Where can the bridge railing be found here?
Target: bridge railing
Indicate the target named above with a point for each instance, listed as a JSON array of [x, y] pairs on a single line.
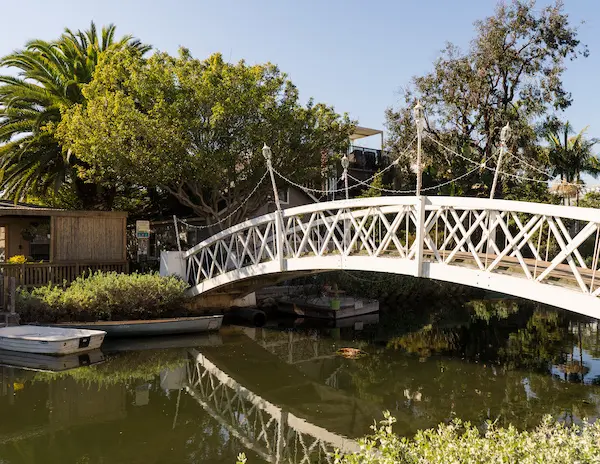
[[551, 244]]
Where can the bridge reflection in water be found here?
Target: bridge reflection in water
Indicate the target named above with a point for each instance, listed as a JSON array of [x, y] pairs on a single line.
[[271, 432], [254, 400]]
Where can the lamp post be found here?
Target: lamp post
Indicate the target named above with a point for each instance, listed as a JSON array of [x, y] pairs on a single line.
[[266, 151], [268, 154], [345, 166], [419, 122], [504, 138]]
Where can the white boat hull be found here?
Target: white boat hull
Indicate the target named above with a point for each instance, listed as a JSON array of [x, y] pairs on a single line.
[[48, 363], [54, 341]]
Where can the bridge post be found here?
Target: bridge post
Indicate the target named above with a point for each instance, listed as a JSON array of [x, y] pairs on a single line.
[[279, 240], [279, 215], [420, 234], [492, 215]]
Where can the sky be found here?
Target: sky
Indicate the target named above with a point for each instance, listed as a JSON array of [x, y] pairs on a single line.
[[354, 55]]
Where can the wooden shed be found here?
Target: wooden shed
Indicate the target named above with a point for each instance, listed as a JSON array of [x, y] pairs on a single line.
[[60, 244]]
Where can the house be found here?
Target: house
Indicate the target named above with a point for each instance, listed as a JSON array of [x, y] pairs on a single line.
[[60, 244]]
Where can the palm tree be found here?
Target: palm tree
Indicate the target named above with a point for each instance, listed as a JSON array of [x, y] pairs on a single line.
[[571, 155], [50, 77]]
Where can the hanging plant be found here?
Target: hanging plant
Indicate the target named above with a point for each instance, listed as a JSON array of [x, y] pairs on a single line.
[[35, 230], [27, 234]]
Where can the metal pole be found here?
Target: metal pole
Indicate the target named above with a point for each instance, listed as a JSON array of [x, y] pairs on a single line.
[[418, 111], [504, 136]]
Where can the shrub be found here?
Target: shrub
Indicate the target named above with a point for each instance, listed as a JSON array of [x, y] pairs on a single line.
[[105, 296], [459, 442]]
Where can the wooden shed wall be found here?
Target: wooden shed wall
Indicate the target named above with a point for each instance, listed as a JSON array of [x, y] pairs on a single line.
[[88, 238]]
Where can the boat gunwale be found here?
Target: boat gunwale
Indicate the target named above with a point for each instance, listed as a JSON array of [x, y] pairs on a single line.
[[67, 338], [138, 321]]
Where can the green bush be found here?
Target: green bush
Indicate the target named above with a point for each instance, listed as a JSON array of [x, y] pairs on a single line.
[[460, 442], [105, 296]]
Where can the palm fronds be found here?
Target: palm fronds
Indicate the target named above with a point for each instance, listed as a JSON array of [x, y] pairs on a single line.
[[50, 76]]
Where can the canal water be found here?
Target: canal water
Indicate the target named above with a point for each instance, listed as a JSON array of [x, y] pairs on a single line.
[[285, 392]]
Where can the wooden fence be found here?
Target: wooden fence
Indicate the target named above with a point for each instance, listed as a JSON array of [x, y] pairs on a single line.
[[39, 274]]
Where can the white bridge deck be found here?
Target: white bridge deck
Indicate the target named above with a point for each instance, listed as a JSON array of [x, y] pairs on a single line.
[[545, 253]]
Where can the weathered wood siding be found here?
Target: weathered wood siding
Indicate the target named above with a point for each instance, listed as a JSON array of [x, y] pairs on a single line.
[[88, 238]]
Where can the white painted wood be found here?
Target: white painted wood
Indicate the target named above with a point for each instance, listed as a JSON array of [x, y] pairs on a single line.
[[49, 340], [172, 263], [404, 235]]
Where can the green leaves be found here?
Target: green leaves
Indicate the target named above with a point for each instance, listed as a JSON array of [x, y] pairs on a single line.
[[571, 155], [50, 78], [461, 442], [194, 128], [105, 296], [512, 72]]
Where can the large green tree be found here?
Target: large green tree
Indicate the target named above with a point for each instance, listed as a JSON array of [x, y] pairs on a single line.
[[49, 76], [195, 128], [511, 72]]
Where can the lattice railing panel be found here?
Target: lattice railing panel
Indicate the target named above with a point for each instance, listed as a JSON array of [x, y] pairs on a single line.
[[373, 231], [542, 243], [544, 248]]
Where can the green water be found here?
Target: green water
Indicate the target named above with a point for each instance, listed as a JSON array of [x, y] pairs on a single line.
[[282, 393]]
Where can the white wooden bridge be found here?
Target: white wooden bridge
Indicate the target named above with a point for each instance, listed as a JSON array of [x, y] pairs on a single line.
[[545, 253]]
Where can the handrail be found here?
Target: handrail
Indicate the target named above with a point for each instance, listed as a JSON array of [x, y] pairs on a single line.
[[536, 242], [567, 212]]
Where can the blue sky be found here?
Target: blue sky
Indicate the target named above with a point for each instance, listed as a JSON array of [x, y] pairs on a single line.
[[355, 55]]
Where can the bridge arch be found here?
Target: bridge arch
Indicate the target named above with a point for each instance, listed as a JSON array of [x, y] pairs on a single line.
[[544, 253]]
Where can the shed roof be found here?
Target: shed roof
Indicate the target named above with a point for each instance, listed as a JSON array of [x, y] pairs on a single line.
[[9, 208]]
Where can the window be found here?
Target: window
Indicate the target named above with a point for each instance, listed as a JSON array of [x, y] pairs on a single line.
[[284, 195], [39, 244]]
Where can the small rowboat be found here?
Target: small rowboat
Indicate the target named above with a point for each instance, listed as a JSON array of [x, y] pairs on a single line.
[[54, 341], [154, 327]]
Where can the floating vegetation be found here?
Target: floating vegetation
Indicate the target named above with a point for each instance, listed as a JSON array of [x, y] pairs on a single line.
[[351, 353]]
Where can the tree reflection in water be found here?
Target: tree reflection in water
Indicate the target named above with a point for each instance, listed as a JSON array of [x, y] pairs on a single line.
[[510, 361]]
